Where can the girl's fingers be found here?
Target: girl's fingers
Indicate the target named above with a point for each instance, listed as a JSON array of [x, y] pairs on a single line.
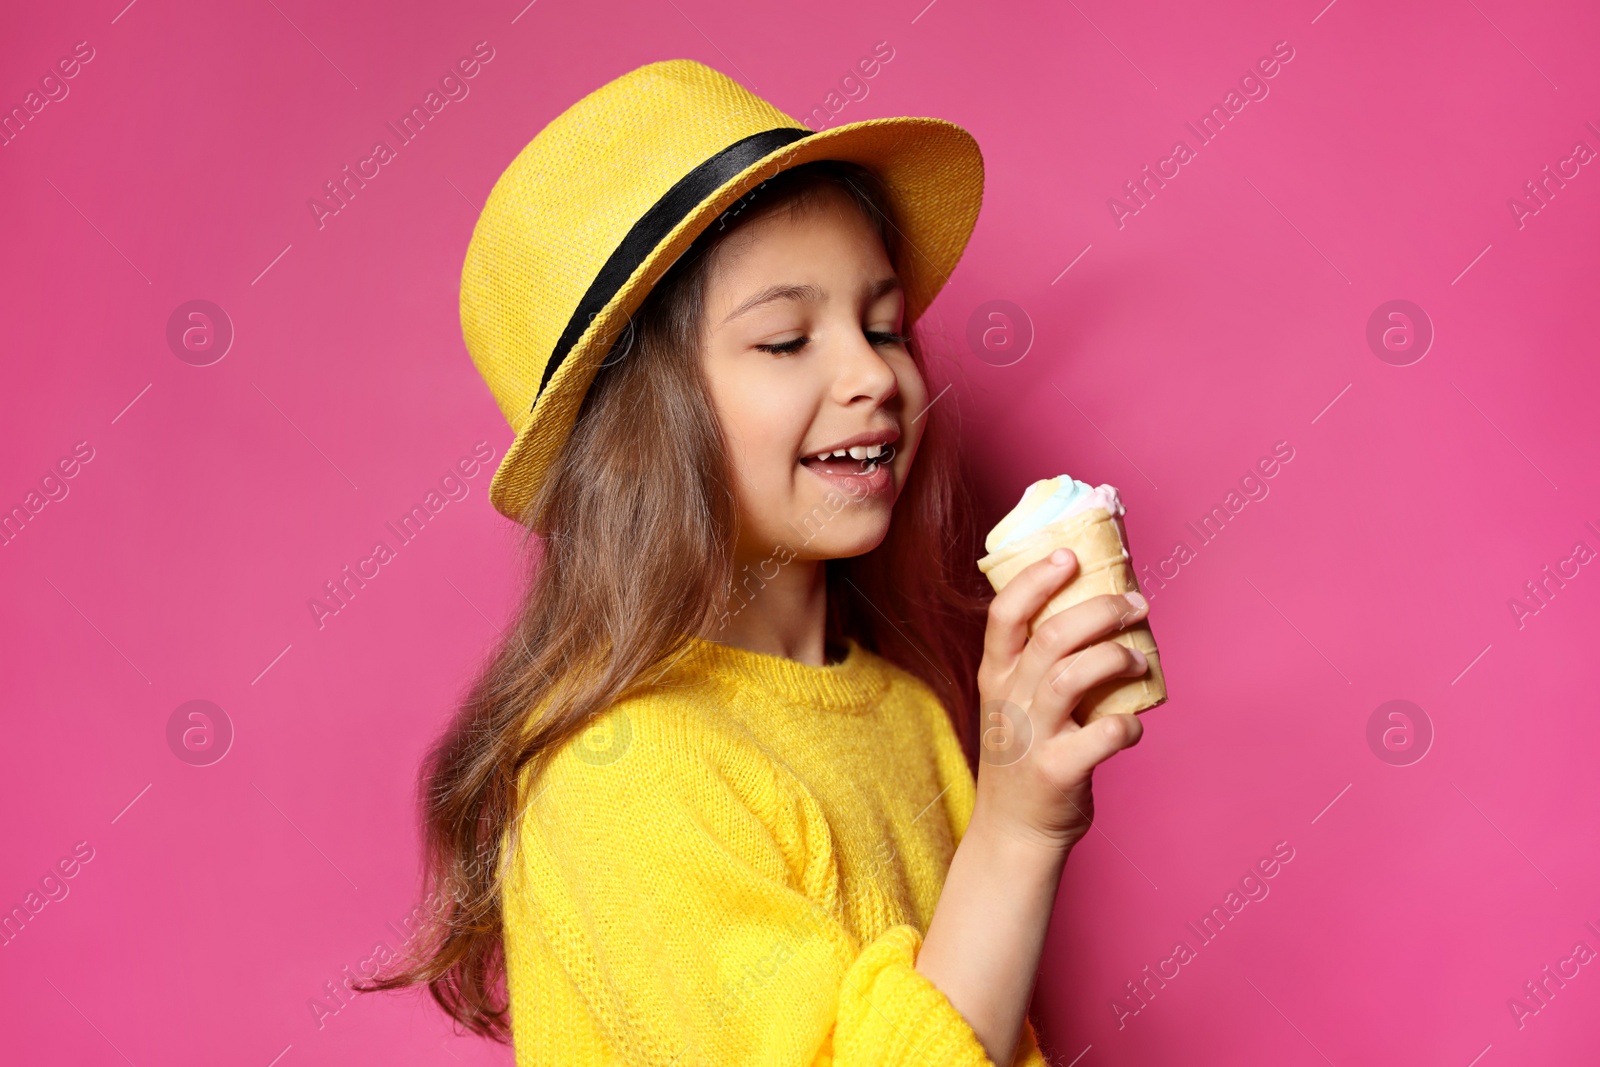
[[1065, 682], [1020, 601], [1092, 745], [1067, 631]]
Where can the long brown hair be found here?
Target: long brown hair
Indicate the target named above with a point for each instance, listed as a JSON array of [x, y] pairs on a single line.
[[642, 489]]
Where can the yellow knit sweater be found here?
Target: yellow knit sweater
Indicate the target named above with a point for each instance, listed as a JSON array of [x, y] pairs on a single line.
[[737, 867]]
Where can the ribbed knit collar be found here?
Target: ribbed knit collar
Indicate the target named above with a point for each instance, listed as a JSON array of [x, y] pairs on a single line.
[[852, 685]]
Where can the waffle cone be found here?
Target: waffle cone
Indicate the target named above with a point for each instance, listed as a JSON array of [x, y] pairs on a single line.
[[1095, 537]]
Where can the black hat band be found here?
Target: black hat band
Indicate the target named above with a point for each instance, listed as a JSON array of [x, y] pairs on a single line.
[[686, 194]]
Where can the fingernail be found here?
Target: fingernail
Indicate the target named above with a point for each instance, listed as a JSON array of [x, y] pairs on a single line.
[[1139, 602], [1139, 657], [1060, 556]]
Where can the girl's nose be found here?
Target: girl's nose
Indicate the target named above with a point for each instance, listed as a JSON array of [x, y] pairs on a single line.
[[865, 372]]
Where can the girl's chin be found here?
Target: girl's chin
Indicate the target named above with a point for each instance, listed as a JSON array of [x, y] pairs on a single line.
[[843, 544], [835, 526]]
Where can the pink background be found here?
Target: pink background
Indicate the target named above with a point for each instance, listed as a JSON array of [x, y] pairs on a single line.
[[1228, 314]]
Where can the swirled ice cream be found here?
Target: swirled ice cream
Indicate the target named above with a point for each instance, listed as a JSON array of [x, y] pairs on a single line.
[[1066, 513], [1047, 501]]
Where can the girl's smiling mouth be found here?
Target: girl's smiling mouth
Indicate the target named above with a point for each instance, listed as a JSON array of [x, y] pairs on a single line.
[[858, 464]]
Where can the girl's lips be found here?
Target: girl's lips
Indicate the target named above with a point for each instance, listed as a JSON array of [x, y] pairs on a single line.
[[852, 483]]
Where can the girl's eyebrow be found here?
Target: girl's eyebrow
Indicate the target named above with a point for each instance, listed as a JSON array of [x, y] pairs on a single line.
[[809, 293]]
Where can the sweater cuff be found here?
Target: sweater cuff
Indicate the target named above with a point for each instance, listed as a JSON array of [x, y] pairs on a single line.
[[890, 1013]]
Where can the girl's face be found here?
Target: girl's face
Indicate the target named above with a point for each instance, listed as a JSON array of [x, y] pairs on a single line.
[[803, 355]]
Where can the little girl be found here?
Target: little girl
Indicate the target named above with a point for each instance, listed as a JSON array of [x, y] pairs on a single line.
[[708, 803]]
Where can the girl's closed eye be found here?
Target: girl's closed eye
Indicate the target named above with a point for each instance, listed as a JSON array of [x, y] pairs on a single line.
[[877, 337]]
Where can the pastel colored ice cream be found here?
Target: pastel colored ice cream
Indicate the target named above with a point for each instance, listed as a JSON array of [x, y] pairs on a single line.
[[1047, 501], [1066, 513]]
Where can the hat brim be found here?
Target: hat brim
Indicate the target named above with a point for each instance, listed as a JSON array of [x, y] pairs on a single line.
[[933, 172]]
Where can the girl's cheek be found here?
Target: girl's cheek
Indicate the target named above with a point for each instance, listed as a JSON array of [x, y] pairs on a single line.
[[912, 386]]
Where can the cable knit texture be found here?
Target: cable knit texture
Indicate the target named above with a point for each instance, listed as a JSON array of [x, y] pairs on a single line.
[[737, 866]]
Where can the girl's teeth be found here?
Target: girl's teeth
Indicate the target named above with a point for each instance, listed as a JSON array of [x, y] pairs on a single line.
[[858, 452]]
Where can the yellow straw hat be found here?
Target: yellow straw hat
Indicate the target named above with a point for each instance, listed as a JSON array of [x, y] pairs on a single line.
[[606, 197]]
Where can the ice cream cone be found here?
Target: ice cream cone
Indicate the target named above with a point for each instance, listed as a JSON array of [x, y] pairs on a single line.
[[1096, 537]]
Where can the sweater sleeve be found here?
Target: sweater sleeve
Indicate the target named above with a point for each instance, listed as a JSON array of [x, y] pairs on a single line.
[[687, 891]]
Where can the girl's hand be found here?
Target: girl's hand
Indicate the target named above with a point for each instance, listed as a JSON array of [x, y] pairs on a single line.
[[984, 941], [1036, 760]]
